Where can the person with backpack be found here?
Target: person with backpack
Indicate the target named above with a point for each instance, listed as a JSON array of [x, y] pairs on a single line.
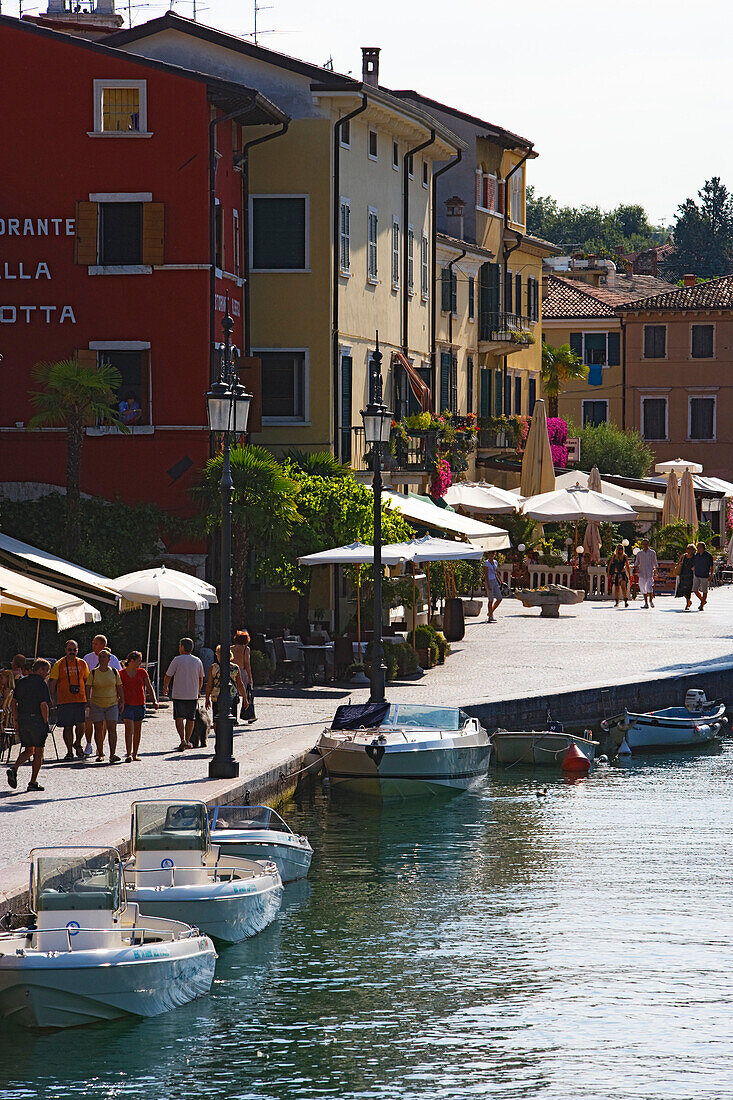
[[213, 685]]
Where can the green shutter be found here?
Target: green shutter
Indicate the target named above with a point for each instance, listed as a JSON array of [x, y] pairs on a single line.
[[498, 392], [445, 364], [346, 375], [454, 384], [445, 290], [485, 396], [576, 342], [614, 349]]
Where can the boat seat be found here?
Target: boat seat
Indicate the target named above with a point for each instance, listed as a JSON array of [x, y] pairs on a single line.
[[76, 900], [188, 867]]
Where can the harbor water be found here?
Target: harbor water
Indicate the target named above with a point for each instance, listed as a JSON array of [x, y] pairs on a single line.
[[505, 943]]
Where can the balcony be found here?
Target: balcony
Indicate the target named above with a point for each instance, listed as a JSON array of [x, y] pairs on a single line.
[[505, 332], [415, 450]]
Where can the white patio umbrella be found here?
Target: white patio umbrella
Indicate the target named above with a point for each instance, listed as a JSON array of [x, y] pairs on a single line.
[[592, 537], [427, 549], [188, 580], [162, 589], [678, 466], [671, 509], [572, 505], [22, 596], [688, 508], [481, 497]]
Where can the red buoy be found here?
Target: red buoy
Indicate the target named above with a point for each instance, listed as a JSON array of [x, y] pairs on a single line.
[[575, 761]]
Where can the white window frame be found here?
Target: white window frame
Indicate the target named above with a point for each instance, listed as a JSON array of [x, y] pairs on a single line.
[[592, 401], [396, 149], [697, 397], [706, 358], [516, 194], [236, 246], [490, 176], [285, 421], [595, 332], [372, 245], [102, 85], [345, 143], [654, 397], [280, 270], [344, 236], [395, 247], [125, 345], [424, 268], [370, 154], [410, 260], [425, 174]]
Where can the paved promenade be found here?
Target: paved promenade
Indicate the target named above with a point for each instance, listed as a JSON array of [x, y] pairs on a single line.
[[591, 645]]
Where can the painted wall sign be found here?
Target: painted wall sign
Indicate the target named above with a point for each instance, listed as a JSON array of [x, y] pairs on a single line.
[[12, 270]]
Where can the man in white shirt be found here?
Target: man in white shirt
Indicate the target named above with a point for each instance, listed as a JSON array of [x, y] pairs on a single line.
[[645, 565], [99, 642], [187, 674]]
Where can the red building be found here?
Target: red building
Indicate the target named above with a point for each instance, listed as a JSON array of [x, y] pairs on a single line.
[[112, 204]]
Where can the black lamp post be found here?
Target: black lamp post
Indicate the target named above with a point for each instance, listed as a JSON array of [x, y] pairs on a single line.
[[227, 404], [377, 424]]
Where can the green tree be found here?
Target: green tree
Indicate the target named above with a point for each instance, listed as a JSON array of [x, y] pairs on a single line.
[[321, 463], [703, 233], [73, 396], [264, 511], [559, 366], [613, 451], [590, 230]]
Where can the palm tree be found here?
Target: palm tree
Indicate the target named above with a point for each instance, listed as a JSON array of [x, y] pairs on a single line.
[[559, 366], [317, 463], [264, 510], [73, 397]]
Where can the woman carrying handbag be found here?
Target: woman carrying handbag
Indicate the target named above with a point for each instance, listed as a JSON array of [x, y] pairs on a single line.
[[683, 571]]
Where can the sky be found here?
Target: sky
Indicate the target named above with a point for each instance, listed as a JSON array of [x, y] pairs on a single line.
[[626, 101]]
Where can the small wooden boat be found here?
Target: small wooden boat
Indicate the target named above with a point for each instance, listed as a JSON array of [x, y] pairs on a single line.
[[696, 724], [538, 748]]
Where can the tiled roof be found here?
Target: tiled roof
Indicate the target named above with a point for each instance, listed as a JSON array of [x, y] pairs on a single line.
[[568, 298], [715, 294]]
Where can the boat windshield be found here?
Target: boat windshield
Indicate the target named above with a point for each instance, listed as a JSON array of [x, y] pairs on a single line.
[[170, 826], [420, 716], [75, 878], [248, 817]]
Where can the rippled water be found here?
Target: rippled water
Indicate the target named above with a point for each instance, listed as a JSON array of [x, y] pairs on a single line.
[[501, 944]]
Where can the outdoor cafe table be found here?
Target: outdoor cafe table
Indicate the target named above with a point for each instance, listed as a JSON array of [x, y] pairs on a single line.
[[313, 656]]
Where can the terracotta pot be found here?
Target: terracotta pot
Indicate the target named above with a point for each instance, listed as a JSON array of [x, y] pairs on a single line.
[[425, 658]]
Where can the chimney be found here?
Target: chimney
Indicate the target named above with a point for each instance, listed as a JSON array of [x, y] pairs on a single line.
[[370, 65], [689, 280], [454, 208]]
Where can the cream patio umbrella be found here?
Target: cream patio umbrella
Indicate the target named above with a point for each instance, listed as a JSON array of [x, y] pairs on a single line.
[[678, 466], [688, 508], [671, 509], [188, 580], [538, 474], [481, 497], [572, 505], [592, 536], [22, 596]]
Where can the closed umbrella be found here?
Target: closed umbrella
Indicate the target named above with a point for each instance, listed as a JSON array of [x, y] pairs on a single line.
[[688, 508], [538, 474], [592, 537], [481, 497], [671, 509]]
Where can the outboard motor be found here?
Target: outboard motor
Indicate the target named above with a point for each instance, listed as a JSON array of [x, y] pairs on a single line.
[[695, 701]]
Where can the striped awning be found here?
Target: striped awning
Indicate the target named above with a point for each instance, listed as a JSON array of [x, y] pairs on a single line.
[[48, 569], [417, 385]]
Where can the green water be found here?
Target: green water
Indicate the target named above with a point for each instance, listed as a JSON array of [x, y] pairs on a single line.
[[501, 944]]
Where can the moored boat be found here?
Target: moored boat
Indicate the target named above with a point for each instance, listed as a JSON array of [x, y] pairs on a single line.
[[258, 832], [538, 748], [174, 871], [401, 750], [697, 724], [91, 954]]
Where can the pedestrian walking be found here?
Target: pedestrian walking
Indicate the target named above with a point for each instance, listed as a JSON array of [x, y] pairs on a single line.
[[619, 576], [135, 683], [31, 706], [240, 653], [645, 564], [67, 684], [702, 567], [106, 703], [491, 584], [187, 674], [214, 687], [685, 572], [99, 642]]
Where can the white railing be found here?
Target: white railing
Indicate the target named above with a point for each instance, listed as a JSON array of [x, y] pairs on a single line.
[[598, 583]]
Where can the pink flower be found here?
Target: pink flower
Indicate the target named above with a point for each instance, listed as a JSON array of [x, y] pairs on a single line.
[[442, 479]]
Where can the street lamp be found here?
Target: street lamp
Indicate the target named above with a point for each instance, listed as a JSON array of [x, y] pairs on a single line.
[[377, 424], [227, 405]]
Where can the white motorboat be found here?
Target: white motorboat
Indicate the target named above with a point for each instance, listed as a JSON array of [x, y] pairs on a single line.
[[538, 748], [174, 871], [401, 750], [91, 955], [258, 832], [693, 726]]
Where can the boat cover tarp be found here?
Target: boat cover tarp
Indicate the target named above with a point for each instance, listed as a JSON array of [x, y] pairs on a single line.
[[358, 716]]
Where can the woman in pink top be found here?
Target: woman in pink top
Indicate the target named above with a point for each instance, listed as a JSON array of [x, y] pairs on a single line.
[[135, 682]]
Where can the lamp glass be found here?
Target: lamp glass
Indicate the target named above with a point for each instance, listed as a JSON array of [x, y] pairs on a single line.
[[241, 400], [377, 423], [228, 410]]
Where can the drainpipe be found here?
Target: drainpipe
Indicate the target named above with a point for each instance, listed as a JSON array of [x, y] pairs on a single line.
[[406, 220], [507, 254], [623, 374], [244, 165], [338, 125], [450, 311], [433, 261]]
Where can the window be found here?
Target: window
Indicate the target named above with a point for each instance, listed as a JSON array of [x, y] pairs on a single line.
[[469, 384], [411, 166], [485, 376], [594, 413], [345, 134], [395, 156], [425, 173], [448, 291], [516, 189], [654, 414], [120, 234], [655, 341], [597, 348], [702, 341], [237, 253], [487, 191], [372, 231], [498, 392], [517, 395], [518, 292], [701, 423], [219, 236], [345, 237], [471, 298], [410, 260], [284, 386], [373, 145], [346, 374], [424, 268], [395, 252], [532, 395], [508, 284], [445, 372], [508, 395], [279, 232], [133, 397], [120, 108]]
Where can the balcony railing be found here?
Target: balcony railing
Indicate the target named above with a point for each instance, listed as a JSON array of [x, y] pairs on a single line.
[[416, 453], [505, 328]]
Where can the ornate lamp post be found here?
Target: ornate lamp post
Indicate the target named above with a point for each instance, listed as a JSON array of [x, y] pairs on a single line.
[[227, 404], [377, 424]]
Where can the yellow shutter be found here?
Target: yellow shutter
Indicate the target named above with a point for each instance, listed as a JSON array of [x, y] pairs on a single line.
[[85, 251], [250, 375], [153, 223]]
